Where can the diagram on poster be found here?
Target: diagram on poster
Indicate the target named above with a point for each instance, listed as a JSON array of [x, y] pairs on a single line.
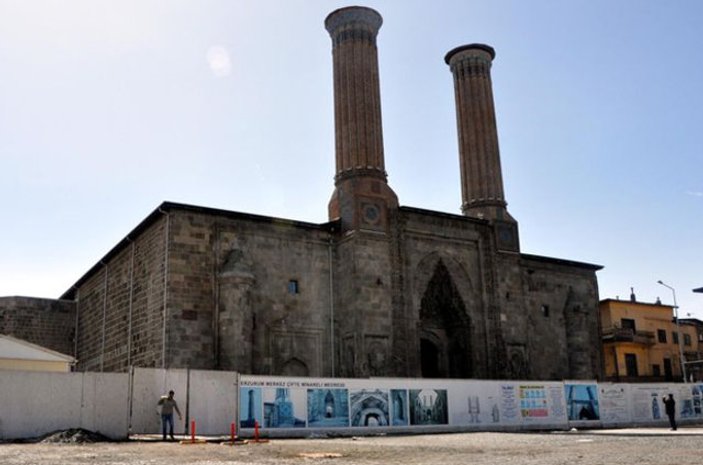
[[475, 404], [533, 401]]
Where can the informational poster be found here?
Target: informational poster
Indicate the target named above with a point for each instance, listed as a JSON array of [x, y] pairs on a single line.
[[533, 401], [647, 402], [614, 403], [542, 403], [509, 404]]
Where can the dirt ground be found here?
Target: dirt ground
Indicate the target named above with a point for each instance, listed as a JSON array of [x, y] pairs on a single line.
[[640, 447]]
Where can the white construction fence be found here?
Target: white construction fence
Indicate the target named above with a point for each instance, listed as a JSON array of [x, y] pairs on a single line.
[[119, 404]]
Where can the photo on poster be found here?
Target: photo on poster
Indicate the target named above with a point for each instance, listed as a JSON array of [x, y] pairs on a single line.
[[399, 407], [328, 408], [284, 408], [582, 402], [249, 407], [428, 406], [369, 407]]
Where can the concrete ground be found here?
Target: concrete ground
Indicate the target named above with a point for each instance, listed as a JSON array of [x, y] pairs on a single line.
[[638, 446]]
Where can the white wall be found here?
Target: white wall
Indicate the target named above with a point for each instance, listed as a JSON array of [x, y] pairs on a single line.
[[105, 403], [148, 385], [212, 401], [33, 404]]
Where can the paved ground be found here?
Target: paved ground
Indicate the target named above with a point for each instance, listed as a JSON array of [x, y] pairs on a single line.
[[627, 446]]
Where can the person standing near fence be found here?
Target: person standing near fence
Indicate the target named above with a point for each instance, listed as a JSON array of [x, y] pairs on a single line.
[[670, 409], [168, 404]]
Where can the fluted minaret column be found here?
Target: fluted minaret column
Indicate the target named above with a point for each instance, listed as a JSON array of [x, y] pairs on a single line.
[[479, 156], [481, 177], [360, 168]]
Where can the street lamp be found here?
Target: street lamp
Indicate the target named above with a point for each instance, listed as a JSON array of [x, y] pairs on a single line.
[[678, 330]]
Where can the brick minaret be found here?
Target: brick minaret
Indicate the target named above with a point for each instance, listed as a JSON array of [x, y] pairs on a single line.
[[362, 196], [481, 176]]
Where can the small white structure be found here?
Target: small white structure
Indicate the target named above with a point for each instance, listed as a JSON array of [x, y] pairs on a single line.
[[16, 354]]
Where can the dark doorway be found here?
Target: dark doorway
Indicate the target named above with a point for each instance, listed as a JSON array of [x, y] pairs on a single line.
[[668, 372], [443, 316], [631, 365], [429, 356]]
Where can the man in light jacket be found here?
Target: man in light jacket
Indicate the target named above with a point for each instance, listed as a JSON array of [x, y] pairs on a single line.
[[168, 405]]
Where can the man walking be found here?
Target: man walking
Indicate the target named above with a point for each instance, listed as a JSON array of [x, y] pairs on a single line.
[[670, 409], [168, 405]]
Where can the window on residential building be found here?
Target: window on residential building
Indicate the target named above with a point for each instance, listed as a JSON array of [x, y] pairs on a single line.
[[656, 370], [628, 323], [687, 339], [293, 286], [675, 337], [661, 336], [631, 364]]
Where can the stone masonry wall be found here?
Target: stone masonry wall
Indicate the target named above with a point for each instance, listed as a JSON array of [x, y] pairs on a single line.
[[363, 304], [260, 328], [120, 306], [561, 307], [46, 322]]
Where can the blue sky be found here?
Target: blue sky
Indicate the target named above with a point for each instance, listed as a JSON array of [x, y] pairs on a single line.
[[108, 108]]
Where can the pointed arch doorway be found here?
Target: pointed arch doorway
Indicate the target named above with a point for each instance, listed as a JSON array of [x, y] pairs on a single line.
[[444, 329]]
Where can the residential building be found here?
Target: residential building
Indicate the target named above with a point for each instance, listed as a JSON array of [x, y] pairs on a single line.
[[641, 341]]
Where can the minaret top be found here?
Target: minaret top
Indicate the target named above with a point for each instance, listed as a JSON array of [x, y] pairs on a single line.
[[469, 47], [356, 15]]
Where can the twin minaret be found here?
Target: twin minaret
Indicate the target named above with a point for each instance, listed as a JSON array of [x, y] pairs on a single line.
[[362, 196]]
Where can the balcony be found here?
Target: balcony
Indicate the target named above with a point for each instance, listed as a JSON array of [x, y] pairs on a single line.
[[615, 334]]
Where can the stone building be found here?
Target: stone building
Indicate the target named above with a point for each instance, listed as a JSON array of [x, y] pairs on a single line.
[[379, 290]]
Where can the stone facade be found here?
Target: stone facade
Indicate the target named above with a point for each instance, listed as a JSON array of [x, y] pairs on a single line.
[[46, 322], [379, 290]]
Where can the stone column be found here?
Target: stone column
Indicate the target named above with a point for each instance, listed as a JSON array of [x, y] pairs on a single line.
[[236, 336], [481, 177], [360, 168]]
